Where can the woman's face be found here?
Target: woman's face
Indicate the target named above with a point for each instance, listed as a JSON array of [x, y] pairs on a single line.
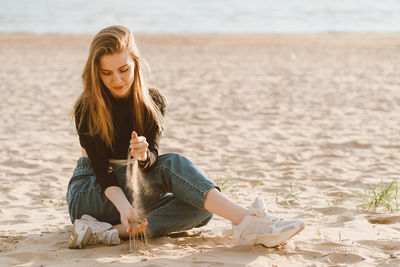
[[117, 73]]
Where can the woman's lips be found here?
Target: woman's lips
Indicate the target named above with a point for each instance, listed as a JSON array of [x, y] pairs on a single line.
[[119, 88]]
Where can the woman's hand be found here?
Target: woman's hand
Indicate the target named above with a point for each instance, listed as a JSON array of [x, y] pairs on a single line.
[[125, 209], [126, 212], [140, 228], [138, 145]]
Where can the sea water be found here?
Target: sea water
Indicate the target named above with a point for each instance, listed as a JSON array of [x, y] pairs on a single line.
[[200, 16]]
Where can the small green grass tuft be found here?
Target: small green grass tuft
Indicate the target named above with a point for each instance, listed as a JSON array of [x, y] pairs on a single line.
[[289, 198], [385, 196], [326, 237], [322, 235], [335, 201], [224, 183], [318, 232], [256, 184]]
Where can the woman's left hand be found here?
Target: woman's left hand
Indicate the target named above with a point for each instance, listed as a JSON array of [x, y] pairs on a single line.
[[138, 146]]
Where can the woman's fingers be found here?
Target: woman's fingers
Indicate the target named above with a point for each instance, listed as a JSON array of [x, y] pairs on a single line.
[[139, 146], [125, 223], [138, 139], [139, 150], [140, 228]]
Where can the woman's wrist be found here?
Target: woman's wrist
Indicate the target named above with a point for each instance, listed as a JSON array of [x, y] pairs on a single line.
[[146, 159]]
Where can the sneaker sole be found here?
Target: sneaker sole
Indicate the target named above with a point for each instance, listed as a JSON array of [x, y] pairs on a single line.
[[76, 241], [273, 240]]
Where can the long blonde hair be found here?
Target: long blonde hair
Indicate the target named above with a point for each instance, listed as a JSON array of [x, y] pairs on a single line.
[[146, 114]]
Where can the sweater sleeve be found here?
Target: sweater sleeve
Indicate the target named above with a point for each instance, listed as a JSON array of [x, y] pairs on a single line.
[[152, 155], [154, 134], [97, 155]]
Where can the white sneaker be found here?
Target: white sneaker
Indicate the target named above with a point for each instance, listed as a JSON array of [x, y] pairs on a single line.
[[258, 207], [94, 224], [88, 230], [263, 228], [81, 233], [109, 237]]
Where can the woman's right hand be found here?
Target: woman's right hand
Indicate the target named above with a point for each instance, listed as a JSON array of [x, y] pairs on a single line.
[[126, 215], [127, 212], [125, 209], [139, 146]]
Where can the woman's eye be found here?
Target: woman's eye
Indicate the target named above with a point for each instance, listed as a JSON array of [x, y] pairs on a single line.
[[105, 73], [124, 70]]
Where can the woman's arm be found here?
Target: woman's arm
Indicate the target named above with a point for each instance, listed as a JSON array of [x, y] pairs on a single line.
[[154, 134], [125, 209], [152, 153], [97, 154], [118, 198], [95, 150]]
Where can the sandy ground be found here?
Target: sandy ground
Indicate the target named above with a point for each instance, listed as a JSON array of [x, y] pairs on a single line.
[[312, 115]]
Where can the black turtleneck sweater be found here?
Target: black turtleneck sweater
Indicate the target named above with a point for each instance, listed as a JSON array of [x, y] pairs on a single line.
[[122, 115]]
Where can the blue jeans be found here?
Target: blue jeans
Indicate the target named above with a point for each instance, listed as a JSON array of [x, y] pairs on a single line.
[[178, 190]]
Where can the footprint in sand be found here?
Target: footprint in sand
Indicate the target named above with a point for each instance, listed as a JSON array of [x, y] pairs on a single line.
[[339, 253], [383, 219], [345, 258]]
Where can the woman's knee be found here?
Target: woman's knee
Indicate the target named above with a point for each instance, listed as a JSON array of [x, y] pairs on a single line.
[[173, 157], [178, 161], [93, 202], [173, 161]]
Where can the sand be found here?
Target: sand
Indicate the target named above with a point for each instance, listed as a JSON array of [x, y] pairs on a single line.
[[258, 113]]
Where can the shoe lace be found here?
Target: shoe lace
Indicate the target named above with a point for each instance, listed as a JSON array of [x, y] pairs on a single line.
[[260, 210], [264, 213], [272, 218]]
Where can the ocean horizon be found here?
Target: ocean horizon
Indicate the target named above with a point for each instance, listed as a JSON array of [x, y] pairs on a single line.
[[208, 16]]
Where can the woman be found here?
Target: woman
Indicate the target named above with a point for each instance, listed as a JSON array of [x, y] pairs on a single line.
[[117, 113]]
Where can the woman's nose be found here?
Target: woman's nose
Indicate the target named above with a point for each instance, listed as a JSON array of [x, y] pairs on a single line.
[[117, 78]]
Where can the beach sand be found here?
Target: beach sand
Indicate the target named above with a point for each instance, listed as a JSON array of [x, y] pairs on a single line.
[[303, 120]]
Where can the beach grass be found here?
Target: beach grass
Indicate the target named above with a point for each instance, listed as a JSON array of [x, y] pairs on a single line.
[[289, 198], [224, 183], [383, 195], [334, 202]]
